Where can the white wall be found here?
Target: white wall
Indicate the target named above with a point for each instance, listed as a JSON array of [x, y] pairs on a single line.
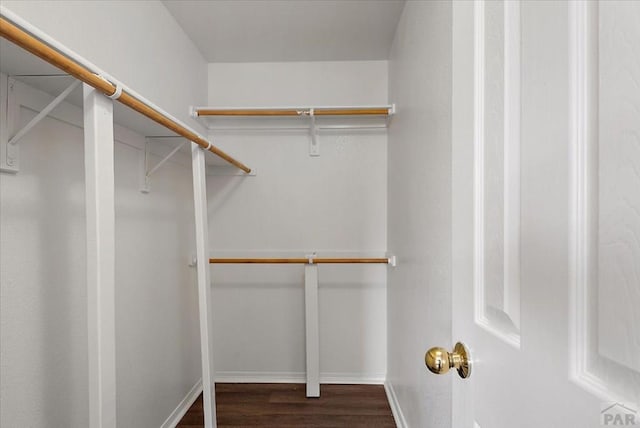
[[43, 312], [334, 204], [419, 210], [43, 315], [157, 326], [137, 42], [44, 344]]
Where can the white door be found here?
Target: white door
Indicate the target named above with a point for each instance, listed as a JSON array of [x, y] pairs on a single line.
[[546, 206]]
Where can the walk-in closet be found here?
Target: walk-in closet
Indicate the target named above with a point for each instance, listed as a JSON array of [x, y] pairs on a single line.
[[319, 213]]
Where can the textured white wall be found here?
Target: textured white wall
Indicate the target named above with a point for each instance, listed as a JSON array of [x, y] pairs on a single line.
[[137, 42], [43, 313], [44, 344], [157, 330], [335, 204], [419, 210], [43, 309]]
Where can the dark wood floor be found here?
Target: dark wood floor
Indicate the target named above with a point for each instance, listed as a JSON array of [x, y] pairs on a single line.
[[285, 405]]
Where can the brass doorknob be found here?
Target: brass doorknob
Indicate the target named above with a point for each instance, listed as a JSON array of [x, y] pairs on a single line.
[[439, 361]]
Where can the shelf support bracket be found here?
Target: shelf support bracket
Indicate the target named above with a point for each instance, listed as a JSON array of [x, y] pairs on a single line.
[[45, 111], [100, 226], [314, 145], [8, 117], [204, 285], [312, 329], [9, 146], [145, 186], [393, 261]]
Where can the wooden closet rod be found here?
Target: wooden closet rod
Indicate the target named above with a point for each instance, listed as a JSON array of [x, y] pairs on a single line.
[[311, 260], [334, 111], [40, 49]]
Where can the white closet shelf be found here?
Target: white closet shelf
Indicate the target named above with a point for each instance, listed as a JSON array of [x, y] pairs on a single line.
[[312, 118], [304, 111], [38, 44], [315, 119]]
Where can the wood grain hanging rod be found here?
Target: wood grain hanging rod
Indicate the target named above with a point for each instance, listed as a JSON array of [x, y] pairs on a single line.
[[298, 112], [310, 260], [42, 50]]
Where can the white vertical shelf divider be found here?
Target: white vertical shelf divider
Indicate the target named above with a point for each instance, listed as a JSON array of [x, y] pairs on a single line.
[[204, 289], [100, 210], [312, 331]]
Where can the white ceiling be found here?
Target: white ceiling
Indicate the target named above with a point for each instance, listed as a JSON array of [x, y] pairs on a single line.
[[289, 30]]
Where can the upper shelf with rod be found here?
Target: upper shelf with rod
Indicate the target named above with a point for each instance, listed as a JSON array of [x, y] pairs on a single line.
[[366, 111], [314, 119], [32, 40]]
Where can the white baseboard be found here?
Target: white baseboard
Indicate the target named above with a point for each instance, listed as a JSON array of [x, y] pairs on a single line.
[[353, 378], [299, 377], [260, 377], [176, 416], [401, 422]]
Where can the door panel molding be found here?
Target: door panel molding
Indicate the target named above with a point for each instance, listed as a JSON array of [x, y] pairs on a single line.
[[590, 367], [497, 302]]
